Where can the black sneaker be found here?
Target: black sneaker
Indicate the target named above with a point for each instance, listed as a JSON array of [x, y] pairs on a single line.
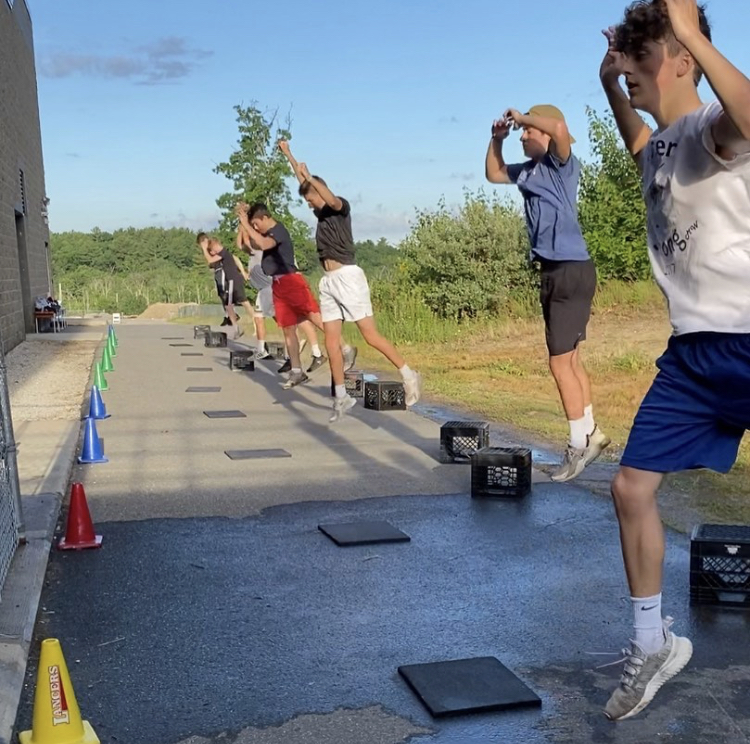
[[225, 322], [286, 367], [317, 363]]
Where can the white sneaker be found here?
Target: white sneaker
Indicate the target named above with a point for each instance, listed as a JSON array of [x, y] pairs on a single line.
[[597, 442], [342, 406], [413, 388], [574, 461]]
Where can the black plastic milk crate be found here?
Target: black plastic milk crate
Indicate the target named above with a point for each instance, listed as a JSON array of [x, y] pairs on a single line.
[[459, 440], [242, 360], [501, 471], [276, 349], [383, 395], [216, 339], [200, 331], [720, 565], [354, 381]]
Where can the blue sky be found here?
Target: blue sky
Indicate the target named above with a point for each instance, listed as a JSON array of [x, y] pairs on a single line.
[[391, 102]]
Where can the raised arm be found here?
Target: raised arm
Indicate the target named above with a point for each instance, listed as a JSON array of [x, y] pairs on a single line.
[[287, 151], [634, 131], [333, 201], [731, 130], [556, 129], [495, 168], [210, 258], [240, 266]]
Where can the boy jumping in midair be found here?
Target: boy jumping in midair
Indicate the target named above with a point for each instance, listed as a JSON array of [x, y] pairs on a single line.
[[344, 291], [695, 168]]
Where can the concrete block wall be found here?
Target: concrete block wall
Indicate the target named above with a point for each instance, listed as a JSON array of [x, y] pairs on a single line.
[[20, 150]]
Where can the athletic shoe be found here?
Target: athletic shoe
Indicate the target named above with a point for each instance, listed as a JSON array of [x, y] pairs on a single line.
[[262, 356], [645, 674], [413, 388], [296, 378], [238, 332], [317, 363], [225, 322], [350, 357], [572, 466], [342, 406], [597, 442], [286, 367]]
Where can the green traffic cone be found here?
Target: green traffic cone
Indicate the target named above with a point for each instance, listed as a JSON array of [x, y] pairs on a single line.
[[99, 379], [107, 361], [111, 346]]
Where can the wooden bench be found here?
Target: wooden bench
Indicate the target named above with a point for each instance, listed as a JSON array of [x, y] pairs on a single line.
[[55, 319]]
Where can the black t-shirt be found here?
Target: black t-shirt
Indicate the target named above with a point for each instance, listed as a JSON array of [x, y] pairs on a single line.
[[230, 267], [279, 260], [334, 237]]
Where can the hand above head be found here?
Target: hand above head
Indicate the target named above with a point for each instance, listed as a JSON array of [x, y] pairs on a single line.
[[284, 147], [512, 118], [241, 208], [612, 64], [303, 171], [500, 129], [683, 15]]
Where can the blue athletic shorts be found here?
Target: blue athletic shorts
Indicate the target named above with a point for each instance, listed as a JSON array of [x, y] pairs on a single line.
[[698, 408]]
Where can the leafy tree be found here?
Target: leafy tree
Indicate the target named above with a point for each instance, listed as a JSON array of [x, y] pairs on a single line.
[[610, 205], [468, 264], [259, 172]]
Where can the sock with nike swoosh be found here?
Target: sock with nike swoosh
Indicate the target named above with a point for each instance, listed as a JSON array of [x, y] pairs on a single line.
[[649, 629]]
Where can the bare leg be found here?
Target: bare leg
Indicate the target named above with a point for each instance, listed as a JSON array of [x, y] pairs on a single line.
[[333, 347], [370, 334], [260, 327], [569, 386], [583, 378], [292, 346], [308, 328], [641, 530]]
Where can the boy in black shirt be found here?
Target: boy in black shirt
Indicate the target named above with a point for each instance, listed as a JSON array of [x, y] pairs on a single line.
[[344, 291]]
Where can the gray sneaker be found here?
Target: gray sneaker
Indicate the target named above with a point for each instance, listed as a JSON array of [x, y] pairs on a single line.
[[317, 363], [597, 442], [350, 358], [572, 466], [645, 674], [295, 378], [341, 406], [238, 332]]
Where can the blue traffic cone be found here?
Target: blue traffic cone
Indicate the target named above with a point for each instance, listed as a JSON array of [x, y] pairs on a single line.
[[92, 447], [113, 335], [97, 409]]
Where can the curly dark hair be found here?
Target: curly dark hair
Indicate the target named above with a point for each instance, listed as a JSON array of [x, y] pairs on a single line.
[[648, 20]]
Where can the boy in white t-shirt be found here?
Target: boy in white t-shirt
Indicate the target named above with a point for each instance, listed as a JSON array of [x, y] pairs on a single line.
[[696, 172]]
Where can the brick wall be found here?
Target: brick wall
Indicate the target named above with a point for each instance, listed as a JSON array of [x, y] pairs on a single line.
[[20, 149]]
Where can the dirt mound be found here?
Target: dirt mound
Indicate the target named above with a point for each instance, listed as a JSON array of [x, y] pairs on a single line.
[[163, 310]]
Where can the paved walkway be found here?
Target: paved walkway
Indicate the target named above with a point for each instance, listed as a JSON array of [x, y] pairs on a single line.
[[217, 612]]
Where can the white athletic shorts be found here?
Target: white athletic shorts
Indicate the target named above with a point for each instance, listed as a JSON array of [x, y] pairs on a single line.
[[345, 295], [264, 303]]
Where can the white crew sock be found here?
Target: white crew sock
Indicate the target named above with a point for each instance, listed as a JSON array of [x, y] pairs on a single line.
[[346, 348], [578, 433], [260, 346], [649, 629], [588, 415], [340, 391], [406, 372], [316, 350], [296, 371]]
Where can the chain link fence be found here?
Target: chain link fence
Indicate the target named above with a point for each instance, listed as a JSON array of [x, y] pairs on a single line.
[[11, 521]]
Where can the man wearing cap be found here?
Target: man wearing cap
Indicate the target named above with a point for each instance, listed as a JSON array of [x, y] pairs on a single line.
[[548, 182]]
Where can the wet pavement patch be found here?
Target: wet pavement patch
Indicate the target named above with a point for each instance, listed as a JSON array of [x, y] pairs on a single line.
[[192, 353], [199, 389], [200, 369], [180, 344], [224, 414], [363, 533], [255, 454], [481, 685]]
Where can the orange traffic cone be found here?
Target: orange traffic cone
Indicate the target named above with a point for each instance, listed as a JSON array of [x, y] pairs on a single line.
[[79, 533], [57, 718]]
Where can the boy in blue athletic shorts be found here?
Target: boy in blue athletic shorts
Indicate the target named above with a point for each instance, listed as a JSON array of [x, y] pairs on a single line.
[[695, 168]]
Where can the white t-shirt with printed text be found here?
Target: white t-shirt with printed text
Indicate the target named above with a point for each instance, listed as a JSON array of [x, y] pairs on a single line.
[[698, 210]]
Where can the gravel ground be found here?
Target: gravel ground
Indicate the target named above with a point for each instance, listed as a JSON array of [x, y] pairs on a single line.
[[47, 379]]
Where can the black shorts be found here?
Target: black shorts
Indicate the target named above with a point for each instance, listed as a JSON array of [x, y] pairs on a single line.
[[219, 287], [566, 295], [234, 292]]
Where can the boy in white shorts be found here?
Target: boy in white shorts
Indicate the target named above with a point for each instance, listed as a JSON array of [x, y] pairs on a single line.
[[696, 169], [344, 292]]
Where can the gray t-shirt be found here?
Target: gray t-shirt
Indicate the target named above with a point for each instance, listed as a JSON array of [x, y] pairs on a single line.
[[549, 189]]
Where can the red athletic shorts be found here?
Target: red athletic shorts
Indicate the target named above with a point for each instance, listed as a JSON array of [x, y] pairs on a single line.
[[292, 299]]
